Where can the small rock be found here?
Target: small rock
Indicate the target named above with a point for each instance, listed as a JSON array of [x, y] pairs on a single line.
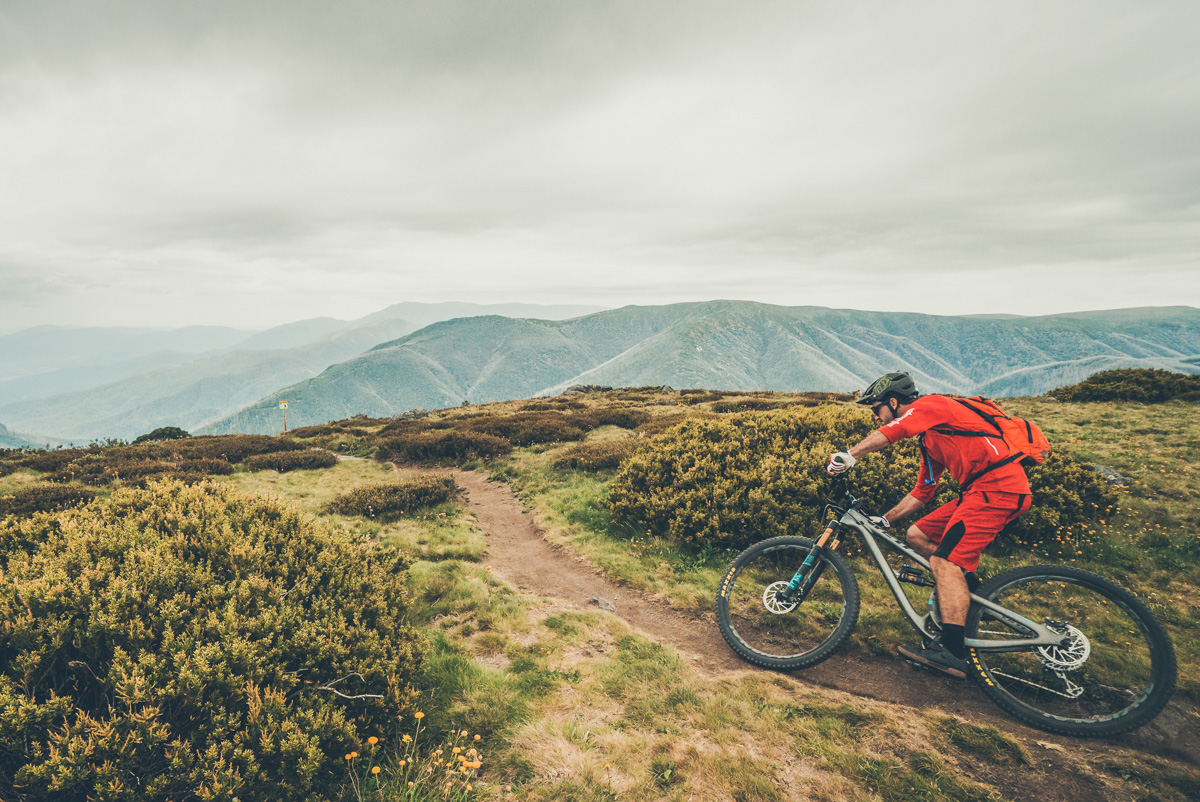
[[1048, 745], [1111, 476], [604, 604]]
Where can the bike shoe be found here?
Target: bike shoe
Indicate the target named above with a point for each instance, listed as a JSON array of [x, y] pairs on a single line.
[[936, 658]]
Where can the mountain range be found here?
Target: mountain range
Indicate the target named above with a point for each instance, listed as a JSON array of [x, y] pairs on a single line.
[[77, 384], [62, 384], [729, 345]]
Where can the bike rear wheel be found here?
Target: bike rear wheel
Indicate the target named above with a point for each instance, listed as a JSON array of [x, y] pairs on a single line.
[[778, 635], [1115, 673]]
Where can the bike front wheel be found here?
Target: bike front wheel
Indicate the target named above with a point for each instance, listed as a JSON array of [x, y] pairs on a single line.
[[771, 633], [1114, 672]]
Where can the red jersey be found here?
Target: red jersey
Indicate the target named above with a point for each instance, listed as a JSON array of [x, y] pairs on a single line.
[[964, 457]]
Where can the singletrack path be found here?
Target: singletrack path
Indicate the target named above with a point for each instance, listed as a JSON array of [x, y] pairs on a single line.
[[520, 555]]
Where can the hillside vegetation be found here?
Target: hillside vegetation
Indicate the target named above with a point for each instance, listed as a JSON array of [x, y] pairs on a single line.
[[544, 703]]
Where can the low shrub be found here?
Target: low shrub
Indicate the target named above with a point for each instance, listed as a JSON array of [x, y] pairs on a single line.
[[102, 470], [162, 433], [305, 432], [749, 405], [231, 447], [1147, 385], [210, 467], [390, 501], [552, 404], [187, 643], [623, 417], [283, 461], [737, 480], [530, 428], [53, 461], [442, 447], [596, 455], [661, 423], [44, 498]]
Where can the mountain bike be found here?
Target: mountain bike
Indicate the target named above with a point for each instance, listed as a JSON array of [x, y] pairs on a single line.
[[1059, 648]]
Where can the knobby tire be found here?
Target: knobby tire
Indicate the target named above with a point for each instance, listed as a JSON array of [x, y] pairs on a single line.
[[801, 637], [1117, 672]]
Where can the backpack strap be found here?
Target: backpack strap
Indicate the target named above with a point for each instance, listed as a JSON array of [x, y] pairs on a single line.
[[1011, 458], [949, 430], [991, 419]]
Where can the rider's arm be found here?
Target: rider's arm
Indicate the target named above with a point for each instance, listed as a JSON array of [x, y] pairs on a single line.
[[875, 441], [905, 507]]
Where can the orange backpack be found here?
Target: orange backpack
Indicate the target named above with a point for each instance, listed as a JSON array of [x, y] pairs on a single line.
[[1026, 443], [1024, 439]]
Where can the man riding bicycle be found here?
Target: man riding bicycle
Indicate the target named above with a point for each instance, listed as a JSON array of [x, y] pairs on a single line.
[[994, 493]]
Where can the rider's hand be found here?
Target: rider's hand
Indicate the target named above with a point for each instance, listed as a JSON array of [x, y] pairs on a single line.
[[839, 463], [880, 521]]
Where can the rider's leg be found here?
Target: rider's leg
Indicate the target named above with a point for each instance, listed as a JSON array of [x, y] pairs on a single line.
[[920, 542], [953, 596]]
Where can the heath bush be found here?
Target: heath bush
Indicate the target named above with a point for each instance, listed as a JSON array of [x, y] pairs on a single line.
[[283, 461], [624, 417], [442, 447], [661, 423], [162, 433], [1147, 385], [597, 455], [186, 643], [734, 481], [390, 501], [53, 461], [731, 482], [530, 428], [44, 498]]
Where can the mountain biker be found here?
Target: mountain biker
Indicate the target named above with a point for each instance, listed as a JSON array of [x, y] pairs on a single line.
[[952, 536]]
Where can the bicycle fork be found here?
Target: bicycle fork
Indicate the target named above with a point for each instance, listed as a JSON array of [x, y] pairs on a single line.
[[810, 570]]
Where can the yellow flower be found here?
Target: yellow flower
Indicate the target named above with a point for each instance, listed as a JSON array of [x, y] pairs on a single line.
[[468, 786], [349, 756], [374, 769], [403, 762], [464, 734], [476, 737], [407, 738], [456, 750], [418, 715], [354, 754], [410, 783], [372, 740]]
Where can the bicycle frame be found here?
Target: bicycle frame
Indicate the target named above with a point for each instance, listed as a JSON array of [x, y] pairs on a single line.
[[1042, 635]]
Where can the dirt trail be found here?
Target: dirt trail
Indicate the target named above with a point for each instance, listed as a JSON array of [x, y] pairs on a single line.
[[519, 554]]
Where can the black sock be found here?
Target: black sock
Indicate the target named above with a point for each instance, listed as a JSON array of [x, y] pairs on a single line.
[[952, 640]]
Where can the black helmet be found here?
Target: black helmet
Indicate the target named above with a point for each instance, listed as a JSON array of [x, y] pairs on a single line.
[[890, 385]]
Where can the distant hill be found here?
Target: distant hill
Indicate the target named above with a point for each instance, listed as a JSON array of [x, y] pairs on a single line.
[[10, 440], [729, 345], [79, 384]]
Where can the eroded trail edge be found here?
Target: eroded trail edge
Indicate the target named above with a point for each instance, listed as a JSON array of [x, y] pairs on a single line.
[[519, 554]]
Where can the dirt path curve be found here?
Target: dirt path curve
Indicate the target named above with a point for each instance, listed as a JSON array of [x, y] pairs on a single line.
[[520, 555]]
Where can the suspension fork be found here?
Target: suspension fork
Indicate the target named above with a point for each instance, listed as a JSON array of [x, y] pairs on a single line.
[[810, 570]]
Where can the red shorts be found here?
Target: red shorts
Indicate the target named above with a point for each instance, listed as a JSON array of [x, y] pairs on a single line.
[[964, 527]]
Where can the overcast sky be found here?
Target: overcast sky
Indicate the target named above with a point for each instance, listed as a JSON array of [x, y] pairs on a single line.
[[252, 163]]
